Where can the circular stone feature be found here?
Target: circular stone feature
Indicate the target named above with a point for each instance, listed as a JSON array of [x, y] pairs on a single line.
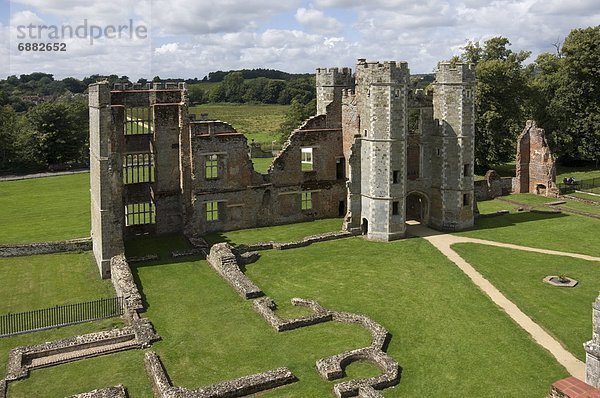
[[555, 280]]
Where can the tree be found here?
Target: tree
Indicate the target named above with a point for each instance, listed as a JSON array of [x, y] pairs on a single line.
[[57, 132], [233, 87], [9, 131], [296, 114], [567, 88], [501, 94]]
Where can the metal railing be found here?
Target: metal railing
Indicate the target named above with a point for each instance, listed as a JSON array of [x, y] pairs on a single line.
[[60, 315]]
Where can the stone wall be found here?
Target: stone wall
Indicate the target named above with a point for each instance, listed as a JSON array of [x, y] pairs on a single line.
[[492, 186], [243, 386], [224, 261], [32, 249], [124, 284], [109, 392]]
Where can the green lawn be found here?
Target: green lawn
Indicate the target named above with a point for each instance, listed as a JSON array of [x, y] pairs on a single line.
[[261, 165], [36, 282], [45, 209], [539, 202], [565, 232], [256, 121], [282, 233], [564, 312], [580, 173]]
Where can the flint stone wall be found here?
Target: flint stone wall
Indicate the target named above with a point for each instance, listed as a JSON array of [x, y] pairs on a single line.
[[124, 284], [33, 249], [109, 392], [265, 306], [309, 240], [492, 186], [233, 388], [224, 261]]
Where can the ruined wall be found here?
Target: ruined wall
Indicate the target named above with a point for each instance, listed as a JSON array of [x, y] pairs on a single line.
[[453, 102], [245, 198], [536, 169], [330, 83]]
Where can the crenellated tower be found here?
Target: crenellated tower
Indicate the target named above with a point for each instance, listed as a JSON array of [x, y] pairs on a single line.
[[453, 159], [330, 83], [381, 103]]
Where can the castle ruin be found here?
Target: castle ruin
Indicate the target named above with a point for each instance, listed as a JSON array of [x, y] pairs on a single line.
[[376, 153]]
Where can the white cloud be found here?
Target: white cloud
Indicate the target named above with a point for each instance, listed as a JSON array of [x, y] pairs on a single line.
[[203, 17], [316, 21]]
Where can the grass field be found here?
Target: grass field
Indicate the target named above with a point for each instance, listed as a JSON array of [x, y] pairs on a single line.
[[283, 233], [261, 165], [45, 209], [564, 312], [447, 336], [45, 281], [564, 232], [258, 122], [539, 202]]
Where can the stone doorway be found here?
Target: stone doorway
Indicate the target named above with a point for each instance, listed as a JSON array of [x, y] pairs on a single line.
[[417, 208], [364, 227]]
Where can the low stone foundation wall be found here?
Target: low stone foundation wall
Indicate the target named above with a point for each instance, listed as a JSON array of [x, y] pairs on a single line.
[[243, 386], [33, 249], [309, 240], [109, 392], [265, 306], [23, 359], [333, 368], [124, 284], [223, 260]]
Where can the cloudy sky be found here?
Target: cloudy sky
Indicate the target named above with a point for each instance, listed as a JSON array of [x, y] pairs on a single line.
[[189, 38]]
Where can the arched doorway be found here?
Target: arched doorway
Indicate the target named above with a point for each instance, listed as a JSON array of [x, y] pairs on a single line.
[[417, 207], [540, 189], [365, 226]]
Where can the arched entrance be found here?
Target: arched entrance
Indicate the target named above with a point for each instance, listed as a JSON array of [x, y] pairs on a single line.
[[417, 207], [364, 226], [540, 189]]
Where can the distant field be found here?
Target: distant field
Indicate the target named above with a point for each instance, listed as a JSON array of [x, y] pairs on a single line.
[[259, 122]]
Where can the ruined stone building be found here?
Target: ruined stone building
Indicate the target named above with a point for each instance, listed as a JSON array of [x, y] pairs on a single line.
[[376, 153], [536, 168]]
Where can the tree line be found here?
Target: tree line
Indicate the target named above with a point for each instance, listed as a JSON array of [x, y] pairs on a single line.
[[560, 90]]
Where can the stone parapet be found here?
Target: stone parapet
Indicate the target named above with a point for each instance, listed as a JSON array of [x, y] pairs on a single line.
[[572, 387], [33, 249]]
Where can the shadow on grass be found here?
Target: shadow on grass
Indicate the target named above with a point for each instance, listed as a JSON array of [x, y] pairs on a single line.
[[163, 246], [511, 219]]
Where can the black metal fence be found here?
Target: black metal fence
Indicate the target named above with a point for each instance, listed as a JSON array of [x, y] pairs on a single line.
[[61, 315], [579, 185]]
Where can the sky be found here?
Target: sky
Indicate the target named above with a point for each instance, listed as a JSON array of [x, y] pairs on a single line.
[[190, 38]]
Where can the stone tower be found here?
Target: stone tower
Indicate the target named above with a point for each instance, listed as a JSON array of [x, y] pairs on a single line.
[[452, 162], [330, 82], [381, 105], [105, 179]]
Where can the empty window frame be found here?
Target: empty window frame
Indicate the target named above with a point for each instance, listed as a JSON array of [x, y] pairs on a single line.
[[138, 167], [138, 121], [467, 170], [212, 211], [211, 166], [395, 177], [395, 208], [306, 200], [466, 199], [306, 159], [413, 164], [140, 214]]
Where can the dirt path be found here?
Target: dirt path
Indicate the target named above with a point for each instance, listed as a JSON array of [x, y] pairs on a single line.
[[443, 243]]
